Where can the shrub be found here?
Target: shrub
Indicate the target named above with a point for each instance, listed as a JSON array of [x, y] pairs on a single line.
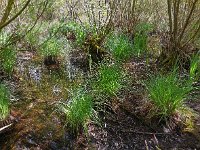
[[120, 46], [167, 93], [109, 80], [32, 38], [76, 29], [8, 57], [51, 47], [78, 111], [4, 102]]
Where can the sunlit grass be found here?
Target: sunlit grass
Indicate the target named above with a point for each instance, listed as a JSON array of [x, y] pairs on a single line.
[[120, 46], [109, 79], [167, 93], [123, 47], [51, 47], [78, 110]]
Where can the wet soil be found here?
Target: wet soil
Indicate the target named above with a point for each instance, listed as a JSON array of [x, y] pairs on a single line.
[[124, 127], [128, 128]]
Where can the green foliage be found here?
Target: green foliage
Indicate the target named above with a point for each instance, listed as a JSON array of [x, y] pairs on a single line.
[[140, 39], [78, 111], [51, 47], [4, 102], [8, 59], [4, 38], [78, 30], [167, 93], [109, 80], [195, 67], [143, 28], [32, 37], [120, 46]]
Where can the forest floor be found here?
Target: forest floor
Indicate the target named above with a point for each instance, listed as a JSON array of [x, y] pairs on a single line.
[[40, 128]]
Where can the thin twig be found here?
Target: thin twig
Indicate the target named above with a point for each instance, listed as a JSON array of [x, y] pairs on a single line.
[[147, 133], [28, 30], [15, 16]]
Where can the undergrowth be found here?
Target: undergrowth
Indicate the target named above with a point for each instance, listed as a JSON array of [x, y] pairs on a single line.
[[4, 102], [120, 46], [51, 47], [109, 79], [123, 47], [8, 59], [140, 38], [74, 31]]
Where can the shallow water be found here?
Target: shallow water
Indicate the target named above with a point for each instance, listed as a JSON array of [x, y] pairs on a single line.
[[37, 92]]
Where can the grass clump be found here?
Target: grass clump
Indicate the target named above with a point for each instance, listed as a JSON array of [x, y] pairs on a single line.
[[8, 59], [78, 111], [120, 46], [167, 94], [109, 80], [123, 48], [4, 102]]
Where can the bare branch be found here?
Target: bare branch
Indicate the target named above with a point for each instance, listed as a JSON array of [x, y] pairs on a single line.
[[15, 16], [7, 11], [188, 19]]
